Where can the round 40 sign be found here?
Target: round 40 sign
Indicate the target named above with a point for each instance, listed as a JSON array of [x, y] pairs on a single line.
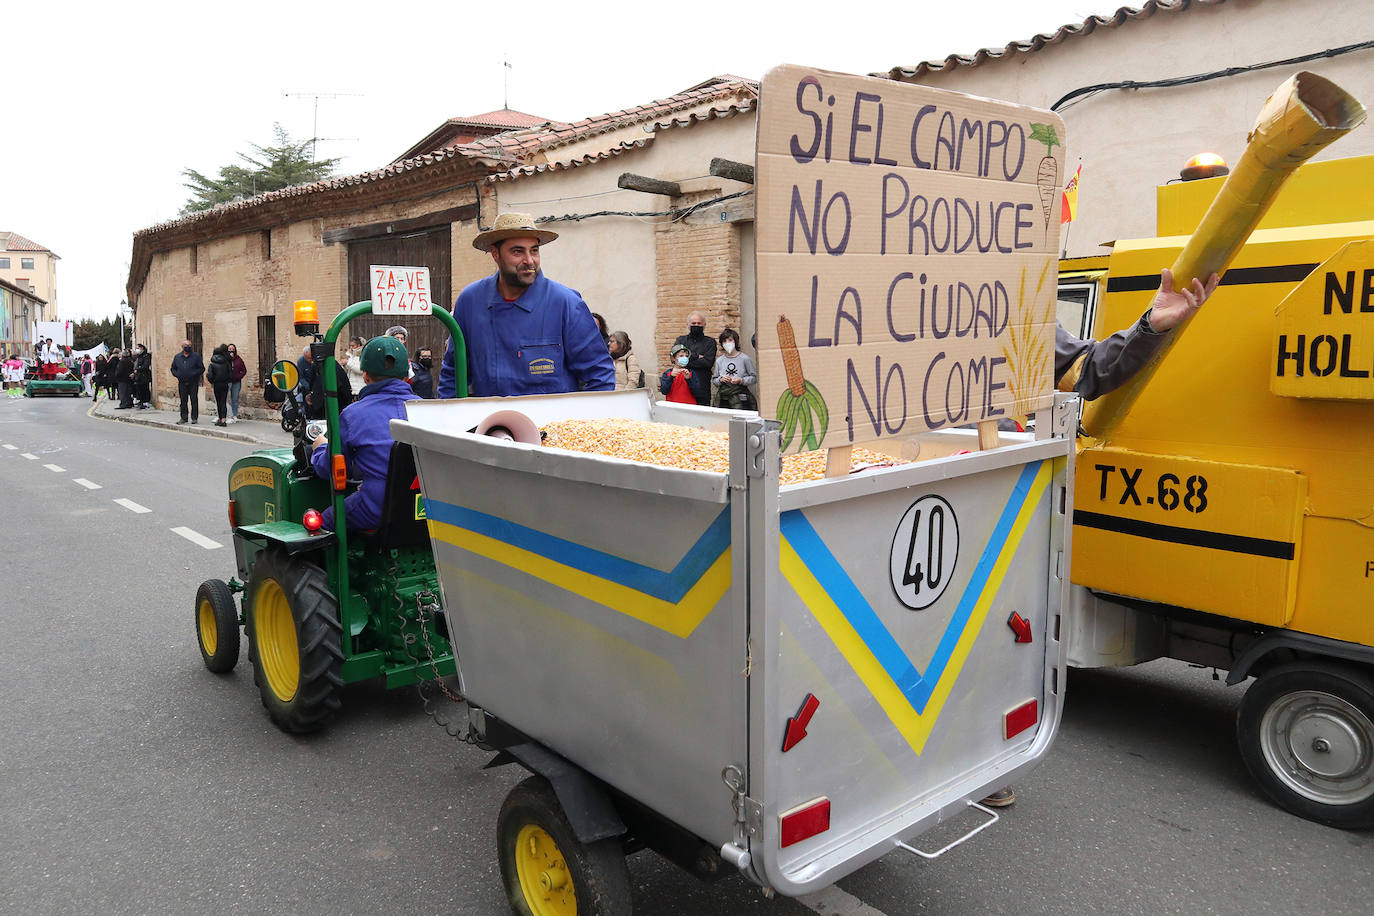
[[925, 548]]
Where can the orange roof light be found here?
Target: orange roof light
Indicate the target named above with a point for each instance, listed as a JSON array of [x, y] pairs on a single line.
[[1204, 165], [307, 317]]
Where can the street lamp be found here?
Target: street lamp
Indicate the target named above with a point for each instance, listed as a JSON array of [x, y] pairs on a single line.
[[123, 307]]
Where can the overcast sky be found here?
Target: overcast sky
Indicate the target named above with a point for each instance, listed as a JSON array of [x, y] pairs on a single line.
[[107, 104]]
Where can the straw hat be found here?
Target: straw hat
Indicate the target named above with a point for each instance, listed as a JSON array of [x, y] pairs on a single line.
[[512, 226]]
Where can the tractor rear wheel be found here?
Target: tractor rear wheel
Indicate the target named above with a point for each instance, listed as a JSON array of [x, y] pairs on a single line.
[[217, 626], [295, 641], [546, 870]]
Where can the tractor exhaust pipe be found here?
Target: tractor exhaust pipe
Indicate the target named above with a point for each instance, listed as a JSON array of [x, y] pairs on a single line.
[[1300, 119]]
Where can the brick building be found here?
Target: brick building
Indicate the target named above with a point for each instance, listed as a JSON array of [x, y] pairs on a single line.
[[644, 259]]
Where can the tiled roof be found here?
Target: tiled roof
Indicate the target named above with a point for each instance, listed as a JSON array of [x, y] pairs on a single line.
[[466, 129], [26, 293], [509, 152], [302, 190], [13, 241], [726, 107], [1031, 45], [586, 159], [513, 148], [507, 118]]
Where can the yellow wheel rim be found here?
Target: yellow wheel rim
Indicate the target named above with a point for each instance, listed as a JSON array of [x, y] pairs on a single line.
[[209, 632], [543, 873], [276, 638]]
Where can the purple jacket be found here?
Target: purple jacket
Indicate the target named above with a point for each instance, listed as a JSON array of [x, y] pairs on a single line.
[[365, 440]]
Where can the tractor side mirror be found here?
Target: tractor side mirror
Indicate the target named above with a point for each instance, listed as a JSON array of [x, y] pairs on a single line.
[[284, 375]]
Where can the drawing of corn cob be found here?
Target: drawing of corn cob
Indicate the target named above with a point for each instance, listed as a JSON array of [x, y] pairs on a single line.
[[801, 400]]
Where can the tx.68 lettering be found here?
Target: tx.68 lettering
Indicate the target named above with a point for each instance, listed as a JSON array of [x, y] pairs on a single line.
[[1169, 491]]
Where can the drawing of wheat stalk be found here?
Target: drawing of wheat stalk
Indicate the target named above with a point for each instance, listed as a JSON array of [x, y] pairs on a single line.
[[1028, 356]]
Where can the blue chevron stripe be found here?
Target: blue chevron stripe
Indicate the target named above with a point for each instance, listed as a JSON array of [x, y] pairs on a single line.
[[668, 586]]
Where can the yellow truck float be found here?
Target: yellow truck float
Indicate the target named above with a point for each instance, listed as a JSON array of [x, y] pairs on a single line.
[[1224, 510]]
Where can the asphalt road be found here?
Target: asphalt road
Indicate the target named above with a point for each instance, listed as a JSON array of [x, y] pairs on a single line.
[[134, 781]]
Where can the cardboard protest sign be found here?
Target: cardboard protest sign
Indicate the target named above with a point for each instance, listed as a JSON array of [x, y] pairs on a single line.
[[907, 245]]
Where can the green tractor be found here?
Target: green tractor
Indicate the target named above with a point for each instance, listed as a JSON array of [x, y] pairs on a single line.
[[322, 609]]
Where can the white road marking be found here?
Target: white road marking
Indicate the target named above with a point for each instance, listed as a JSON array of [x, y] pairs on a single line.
[[13, 448], [834, 902], [86, 483], [196, 537], [55, 469], [28, 455], [132, 506]]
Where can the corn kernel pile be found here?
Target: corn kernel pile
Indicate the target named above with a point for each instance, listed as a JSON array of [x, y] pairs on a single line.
[[683, 447]]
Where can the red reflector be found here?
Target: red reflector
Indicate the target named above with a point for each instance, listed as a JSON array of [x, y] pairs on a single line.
[[1020, 719], [233, 514], [312, 520], [805, 821]]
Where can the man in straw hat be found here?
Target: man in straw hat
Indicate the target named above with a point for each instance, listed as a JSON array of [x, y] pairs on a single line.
[[525, 333]]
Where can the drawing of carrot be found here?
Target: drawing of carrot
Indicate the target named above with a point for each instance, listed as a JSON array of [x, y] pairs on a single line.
[[801, 399], [1047, 177]]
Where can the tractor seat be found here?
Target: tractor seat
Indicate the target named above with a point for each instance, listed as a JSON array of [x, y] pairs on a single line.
[[402, 523]]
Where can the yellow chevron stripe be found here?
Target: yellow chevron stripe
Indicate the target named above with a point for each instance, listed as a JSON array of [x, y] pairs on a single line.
[[680, 619], [914, 727], [980, 610], [850, 644]]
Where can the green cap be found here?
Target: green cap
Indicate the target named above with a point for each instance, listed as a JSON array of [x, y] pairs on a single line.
[[375, 354]]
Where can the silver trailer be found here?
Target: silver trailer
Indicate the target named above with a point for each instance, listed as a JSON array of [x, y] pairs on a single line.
[[794, 680]]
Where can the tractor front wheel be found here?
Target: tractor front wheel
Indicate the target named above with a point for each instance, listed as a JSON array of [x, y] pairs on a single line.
[[546, 870], [295, 641], [217, 626]]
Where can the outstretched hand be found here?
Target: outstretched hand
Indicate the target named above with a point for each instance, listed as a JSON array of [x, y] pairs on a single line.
[[1172, 307]]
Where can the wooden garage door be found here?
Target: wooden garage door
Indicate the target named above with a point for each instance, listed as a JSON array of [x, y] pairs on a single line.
[[428, 248]]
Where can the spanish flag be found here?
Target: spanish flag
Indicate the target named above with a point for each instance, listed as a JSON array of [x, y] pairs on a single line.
[[1069, 210]]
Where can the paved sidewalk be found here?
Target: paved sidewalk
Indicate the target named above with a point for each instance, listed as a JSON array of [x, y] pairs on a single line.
[[260, 432]]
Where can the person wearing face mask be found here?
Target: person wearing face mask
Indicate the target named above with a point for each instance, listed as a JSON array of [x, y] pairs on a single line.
[[734, 374], [421, 380], [678, 383], [237, 370], [143, 377], [351, 363], [701, 355], [187, 369]]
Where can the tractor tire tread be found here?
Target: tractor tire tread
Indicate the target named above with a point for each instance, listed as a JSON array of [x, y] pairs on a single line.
[[319, 637]]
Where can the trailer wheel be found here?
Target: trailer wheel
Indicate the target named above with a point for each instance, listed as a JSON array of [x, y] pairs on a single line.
[[295, 641], [547, 872], [217, 626], [1306, 733]]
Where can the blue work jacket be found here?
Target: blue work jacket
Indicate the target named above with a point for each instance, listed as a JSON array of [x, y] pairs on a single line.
[[365, 440], [545, 342]]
